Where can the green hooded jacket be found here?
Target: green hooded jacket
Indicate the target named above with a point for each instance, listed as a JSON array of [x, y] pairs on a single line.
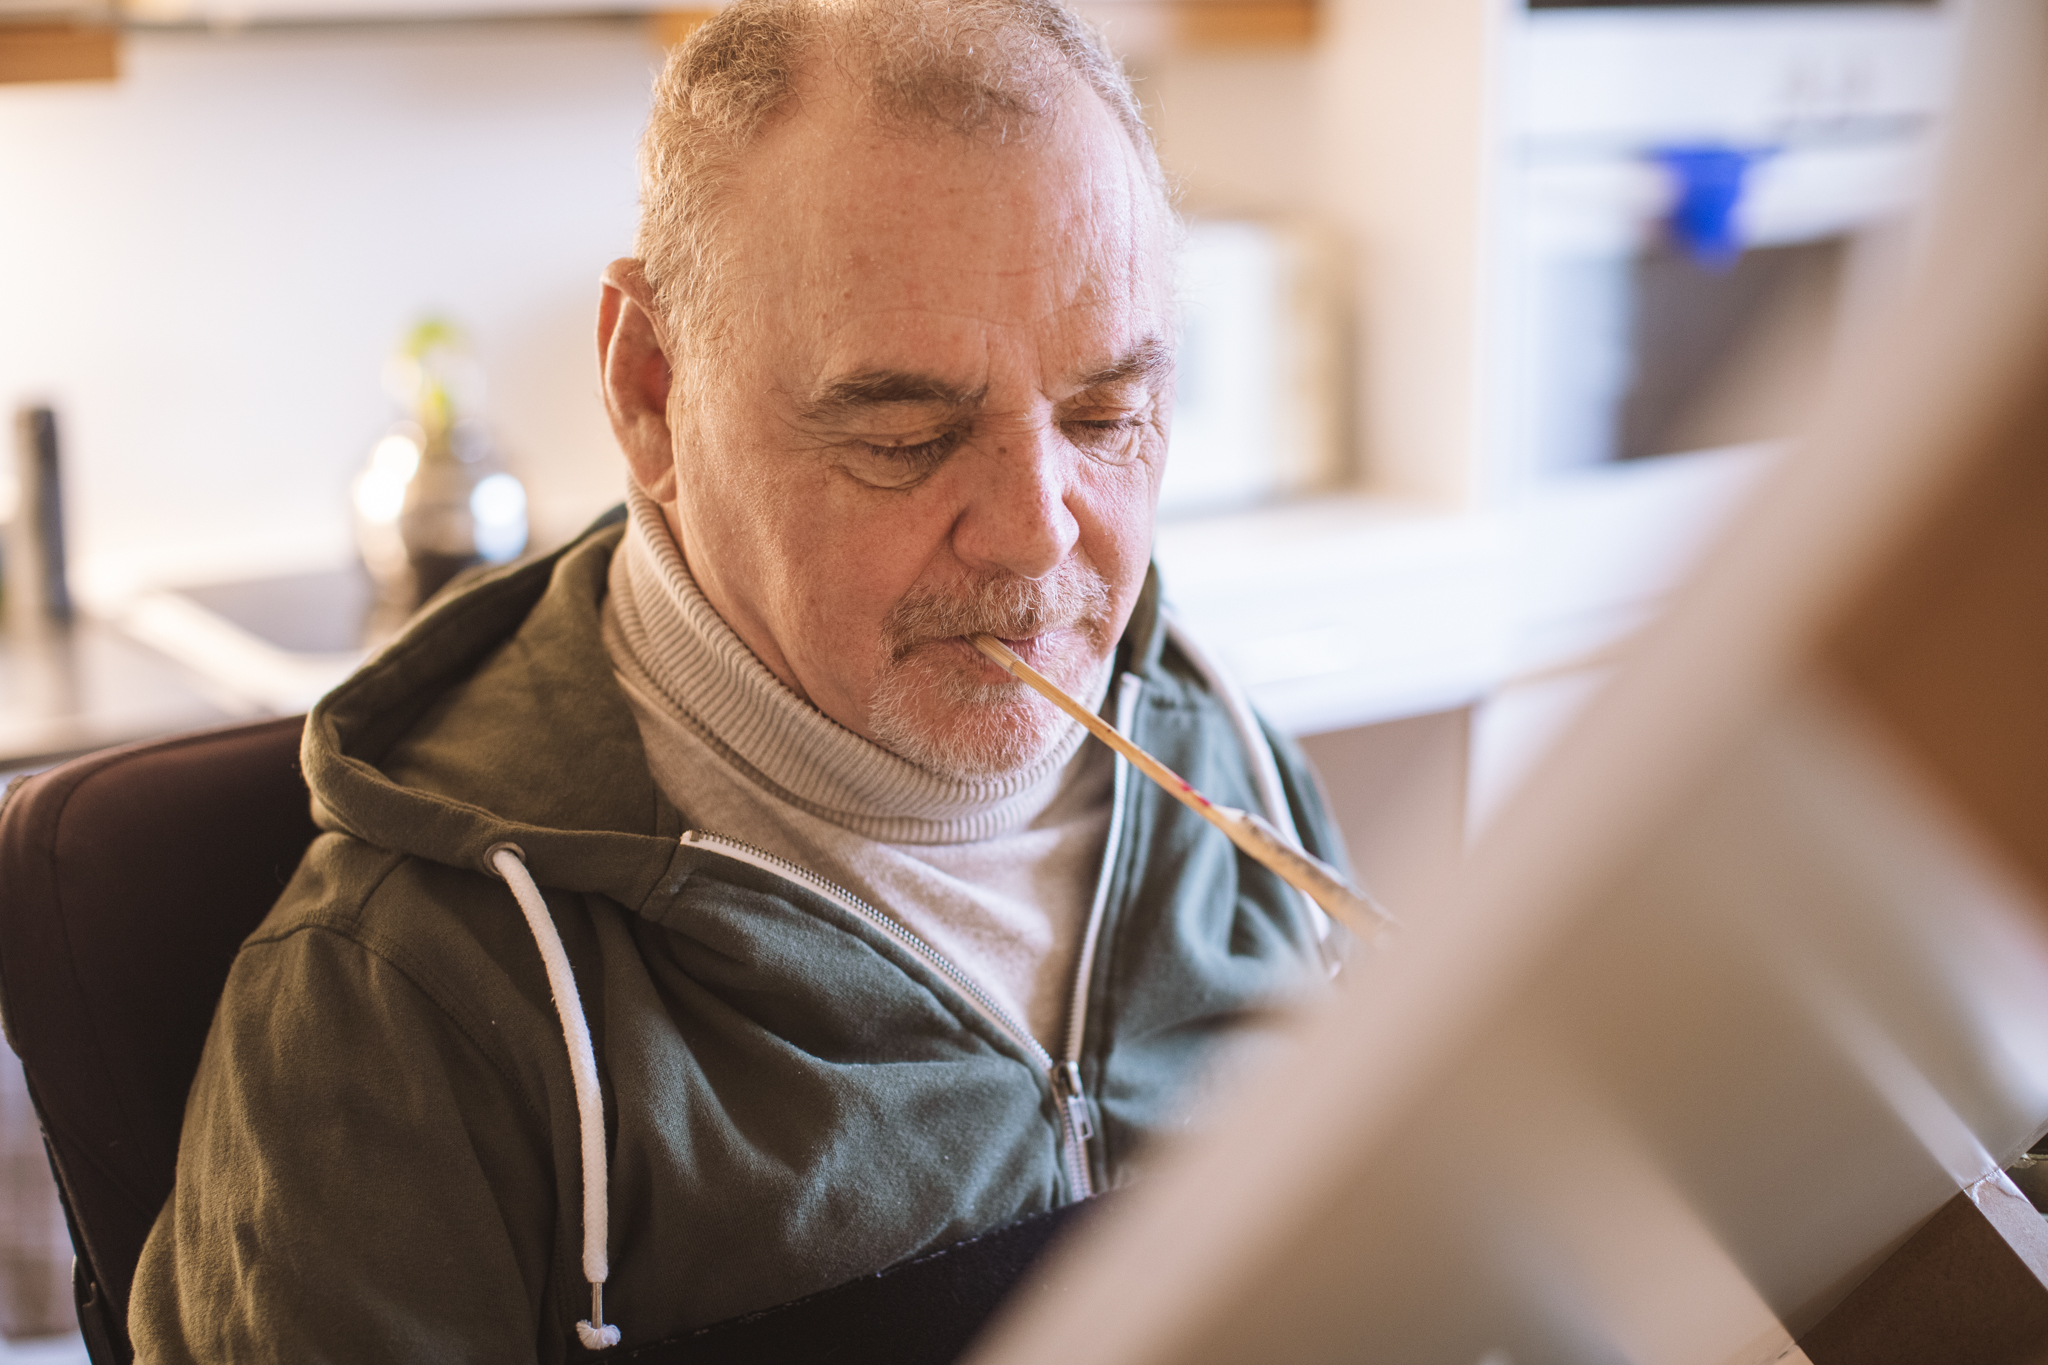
[[380, 1157]]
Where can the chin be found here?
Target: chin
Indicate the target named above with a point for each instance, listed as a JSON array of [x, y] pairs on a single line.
[[936, 713]]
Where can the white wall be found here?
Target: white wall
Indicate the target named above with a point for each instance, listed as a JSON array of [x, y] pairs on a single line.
[[206, 262]]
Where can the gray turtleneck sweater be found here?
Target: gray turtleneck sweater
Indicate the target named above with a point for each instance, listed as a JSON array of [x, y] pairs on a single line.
[[995, 872]]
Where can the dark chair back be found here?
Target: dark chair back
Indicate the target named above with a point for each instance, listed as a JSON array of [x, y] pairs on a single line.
[[128, 880]]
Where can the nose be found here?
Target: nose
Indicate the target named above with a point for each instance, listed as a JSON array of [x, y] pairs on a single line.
[[1016, 516]]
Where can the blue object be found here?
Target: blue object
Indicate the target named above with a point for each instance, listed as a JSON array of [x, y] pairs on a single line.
[[1710, 178]]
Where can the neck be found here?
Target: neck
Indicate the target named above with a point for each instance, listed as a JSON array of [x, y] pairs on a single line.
[[668, 640]]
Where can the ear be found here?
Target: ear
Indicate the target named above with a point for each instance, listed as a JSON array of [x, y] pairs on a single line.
[[632, 360]]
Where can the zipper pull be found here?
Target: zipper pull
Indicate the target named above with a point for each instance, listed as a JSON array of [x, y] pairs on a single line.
[[1066, 1079]]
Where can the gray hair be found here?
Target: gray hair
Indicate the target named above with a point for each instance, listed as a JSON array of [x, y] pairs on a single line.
[[971, 67]]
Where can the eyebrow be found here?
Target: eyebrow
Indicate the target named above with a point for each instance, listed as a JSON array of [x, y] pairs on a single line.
[[1149, 361], [877, 388]]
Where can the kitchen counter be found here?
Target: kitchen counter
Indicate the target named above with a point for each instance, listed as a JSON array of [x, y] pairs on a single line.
[[1349, 611], [70, 691], [1334, 613]]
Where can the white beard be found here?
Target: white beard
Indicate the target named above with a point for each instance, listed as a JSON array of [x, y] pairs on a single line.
[[995, 728], [929, 709]]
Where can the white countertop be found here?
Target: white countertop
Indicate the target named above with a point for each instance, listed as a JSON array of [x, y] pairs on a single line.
[[1334, 612], [1344, 611]]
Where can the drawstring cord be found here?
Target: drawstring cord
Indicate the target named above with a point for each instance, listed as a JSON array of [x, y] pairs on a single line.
[[509, 862]]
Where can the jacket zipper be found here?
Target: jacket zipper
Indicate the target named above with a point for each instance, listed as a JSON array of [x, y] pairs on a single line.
[[1064, 1080], [1077, 1124], [1080, 1122]]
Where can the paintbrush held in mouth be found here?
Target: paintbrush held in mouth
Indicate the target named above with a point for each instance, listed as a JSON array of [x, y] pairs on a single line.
[[1259, 841]]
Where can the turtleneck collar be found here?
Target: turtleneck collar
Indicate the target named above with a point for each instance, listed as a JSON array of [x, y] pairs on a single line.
[[671, 641]]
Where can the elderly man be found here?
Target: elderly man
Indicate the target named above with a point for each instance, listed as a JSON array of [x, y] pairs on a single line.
[[699, 915]]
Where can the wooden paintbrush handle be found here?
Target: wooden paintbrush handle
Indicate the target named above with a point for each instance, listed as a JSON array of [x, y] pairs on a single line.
[[1097, 726], [1261, 842], [1306, 873]]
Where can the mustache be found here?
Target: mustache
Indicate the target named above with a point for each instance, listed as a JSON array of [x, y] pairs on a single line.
[[1005, 605]]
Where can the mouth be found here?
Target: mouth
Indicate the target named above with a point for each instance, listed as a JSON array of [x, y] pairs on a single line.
[[1046, 648]]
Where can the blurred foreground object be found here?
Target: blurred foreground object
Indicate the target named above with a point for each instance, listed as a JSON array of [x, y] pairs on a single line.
[[1717, 1048], [433, 500]]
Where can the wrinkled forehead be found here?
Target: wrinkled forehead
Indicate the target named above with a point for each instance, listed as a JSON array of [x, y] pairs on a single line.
[[852, 221]]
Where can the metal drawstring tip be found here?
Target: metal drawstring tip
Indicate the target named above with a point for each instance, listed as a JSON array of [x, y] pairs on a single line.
[[594, 1335]]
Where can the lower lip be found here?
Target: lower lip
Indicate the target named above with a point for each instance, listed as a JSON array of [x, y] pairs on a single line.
[[1031, 649]]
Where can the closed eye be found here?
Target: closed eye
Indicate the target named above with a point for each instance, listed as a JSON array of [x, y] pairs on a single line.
[[897, 466], [1113, 440]]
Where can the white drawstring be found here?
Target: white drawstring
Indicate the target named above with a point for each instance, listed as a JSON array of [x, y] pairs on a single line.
[[510, 863]]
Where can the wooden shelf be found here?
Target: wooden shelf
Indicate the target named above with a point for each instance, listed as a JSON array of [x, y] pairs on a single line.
[[31, 51], [1238, 25], [1187, 25], [670, 26]]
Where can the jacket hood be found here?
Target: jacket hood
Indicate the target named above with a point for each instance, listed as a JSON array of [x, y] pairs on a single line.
[[494, 718]]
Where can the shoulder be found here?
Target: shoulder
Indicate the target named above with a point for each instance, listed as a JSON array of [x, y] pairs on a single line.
[[368, 939]]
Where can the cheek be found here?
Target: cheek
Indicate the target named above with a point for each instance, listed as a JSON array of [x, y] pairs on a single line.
[[1114, 505], [855, 553], [756, 510]]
